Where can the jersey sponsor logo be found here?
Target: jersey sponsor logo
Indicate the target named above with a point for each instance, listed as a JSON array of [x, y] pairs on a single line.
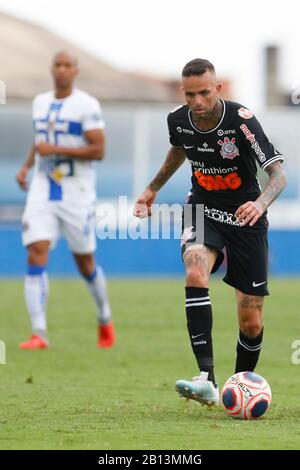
[[184, 131], [229, 149], [245, 113], [217, 183], [254, 144], [62, 167], [213, 170], [222, 217], [188, 234], [205, 148], [227, 132], [56, 175]]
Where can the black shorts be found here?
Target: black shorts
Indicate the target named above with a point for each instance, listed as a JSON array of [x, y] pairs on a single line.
[[246, 247]]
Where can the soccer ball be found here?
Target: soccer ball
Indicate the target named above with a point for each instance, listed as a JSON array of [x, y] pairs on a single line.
[[246, 395]]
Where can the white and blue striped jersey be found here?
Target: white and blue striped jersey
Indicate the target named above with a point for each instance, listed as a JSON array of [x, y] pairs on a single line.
[[63, 122]]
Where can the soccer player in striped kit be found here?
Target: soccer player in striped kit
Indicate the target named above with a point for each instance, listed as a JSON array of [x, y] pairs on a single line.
[[69, 140]]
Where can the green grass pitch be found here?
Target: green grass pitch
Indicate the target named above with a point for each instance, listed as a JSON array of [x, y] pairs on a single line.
[[74, 396]]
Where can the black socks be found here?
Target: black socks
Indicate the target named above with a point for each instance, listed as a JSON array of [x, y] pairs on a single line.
[[199, 323], [248, 350]]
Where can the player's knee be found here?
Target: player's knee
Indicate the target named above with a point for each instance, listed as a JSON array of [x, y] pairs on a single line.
[[37, 254], [86, 265], [86, 270], [196, 278], [251, 328]]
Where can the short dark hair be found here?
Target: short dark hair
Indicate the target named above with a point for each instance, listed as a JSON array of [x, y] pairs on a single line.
[[197, 67], [70, 54]]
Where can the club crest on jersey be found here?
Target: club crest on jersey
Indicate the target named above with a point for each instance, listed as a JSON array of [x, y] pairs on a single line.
[[229, 149], [245, 113]]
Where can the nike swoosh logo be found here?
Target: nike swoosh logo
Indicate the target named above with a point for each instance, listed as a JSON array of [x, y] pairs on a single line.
[[188, 146], [193, 337], [254, 284]]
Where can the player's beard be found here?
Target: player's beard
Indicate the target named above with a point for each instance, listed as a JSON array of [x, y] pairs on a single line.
[[212, 116]]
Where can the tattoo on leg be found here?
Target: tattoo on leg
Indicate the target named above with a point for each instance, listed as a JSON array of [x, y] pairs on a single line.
[[197, 258], [252, 302]]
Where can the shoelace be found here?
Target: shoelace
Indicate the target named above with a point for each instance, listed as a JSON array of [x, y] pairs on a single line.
[[199, 379]]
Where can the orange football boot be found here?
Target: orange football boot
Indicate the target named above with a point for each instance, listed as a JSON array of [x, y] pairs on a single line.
[[35, 342], [106, 335]]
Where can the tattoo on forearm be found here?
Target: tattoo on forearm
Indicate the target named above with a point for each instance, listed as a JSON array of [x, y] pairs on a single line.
[[174, 160], [275, 186]]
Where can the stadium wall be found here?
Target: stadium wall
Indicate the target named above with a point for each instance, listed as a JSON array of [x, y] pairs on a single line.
[[138, 257]]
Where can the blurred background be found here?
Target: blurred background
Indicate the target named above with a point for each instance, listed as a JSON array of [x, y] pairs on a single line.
[[131, 54]]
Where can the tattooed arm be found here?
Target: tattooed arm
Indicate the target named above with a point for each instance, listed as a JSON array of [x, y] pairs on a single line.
[[175, 158], [251, 211], [275, 186]]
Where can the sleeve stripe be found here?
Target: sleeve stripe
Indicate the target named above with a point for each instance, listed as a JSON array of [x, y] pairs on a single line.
[[272, 160]]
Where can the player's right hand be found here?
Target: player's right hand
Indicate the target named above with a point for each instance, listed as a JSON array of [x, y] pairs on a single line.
[[21, 178], [142, 207]]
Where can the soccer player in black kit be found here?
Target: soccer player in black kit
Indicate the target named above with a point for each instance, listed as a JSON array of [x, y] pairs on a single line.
[[223, 141]]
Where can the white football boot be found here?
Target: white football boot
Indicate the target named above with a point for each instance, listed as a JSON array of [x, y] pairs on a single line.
[[200, 389]]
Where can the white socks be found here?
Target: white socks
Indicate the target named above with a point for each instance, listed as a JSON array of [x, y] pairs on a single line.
[[97, 286], [36, 289]]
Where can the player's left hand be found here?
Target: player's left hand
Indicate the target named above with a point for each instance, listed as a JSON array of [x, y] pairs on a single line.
[[249, 213], [45, 149]]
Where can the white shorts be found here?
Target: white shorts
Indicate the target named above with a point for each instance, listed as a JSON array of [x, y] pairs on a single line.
[[50, 219]]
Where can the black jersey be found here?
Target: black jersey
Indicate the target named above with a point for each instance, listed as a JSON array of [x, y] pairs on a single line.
[[224, 172]]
